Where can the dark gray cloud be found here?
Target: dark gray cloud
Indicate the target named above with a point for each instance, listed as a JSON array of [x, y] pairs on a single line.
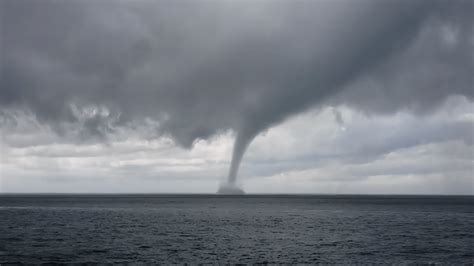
[[439, 62], [202, 67]]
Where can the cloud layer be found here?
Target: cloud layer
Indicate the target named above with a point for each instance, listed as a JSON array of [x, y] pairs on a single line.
[[201, 67]]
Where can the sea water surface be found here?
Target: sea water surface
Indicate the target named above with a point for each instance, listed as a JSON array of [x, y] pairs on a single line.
[[236, 229]]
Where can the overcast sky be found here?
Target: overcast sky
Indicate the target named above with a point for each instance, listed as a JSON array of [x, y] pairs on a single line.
[[150, 96]]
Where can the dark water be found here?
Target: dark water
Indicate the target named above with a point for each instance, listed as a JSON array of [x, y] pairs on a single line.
[[236, 229]]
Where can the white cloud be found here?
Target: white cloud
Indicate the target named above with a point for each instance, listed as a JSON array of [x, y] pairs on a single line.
[[322, 151]]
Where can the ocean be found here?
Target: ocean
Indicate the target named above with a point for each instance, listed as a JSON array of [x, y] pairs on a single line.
[[236, 229]]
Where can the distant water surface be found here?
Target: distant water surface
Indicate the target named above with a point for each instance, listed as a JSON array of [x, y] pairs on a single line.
[[236, 229]]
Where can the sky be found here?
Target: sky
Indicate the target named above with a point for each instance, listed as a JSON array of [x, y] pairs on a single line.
[[309, 96]]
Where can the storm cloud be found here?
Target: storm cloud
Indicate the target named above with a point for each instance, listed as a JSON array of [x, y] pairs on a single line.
[[193, 69]]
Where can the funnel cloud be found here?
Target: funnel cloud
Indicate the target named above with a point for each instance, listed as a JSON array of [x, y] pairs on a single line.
[[190, 70]]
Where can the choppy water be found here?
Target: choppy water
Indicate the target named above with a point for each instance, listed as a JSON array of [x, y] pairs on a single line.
[[236, 229]]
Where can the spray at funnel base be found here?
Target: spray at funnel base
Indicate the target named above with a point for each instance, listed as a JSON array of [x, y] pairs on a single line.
[[230, 189]]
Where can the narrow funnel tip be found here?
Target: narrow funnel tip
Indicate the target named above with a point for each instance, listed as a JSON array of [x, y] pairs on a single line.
[[230, 189]]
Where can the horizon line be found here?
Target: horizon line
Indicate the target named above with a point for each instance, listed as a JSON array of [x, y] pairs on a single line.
[[221, 195]]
